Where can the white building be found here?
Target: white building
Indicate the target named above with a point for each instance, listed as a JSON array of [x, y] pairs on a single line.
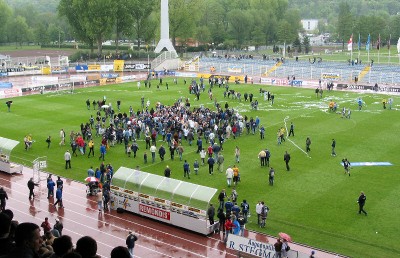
[[309, 24]]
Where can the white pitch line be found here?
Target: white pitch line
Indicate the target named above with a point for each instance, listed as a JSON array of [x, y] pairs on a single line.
[[287, 137]]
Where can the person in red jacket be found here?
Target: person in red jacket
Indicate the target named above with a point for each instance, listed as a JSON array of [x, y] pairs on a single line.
[[210, 151], [46, 225], [234, 131], [228, 228]]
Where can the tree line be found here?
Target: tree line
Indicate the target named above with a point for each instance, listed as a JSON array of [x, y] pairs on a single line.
[[212, 23]]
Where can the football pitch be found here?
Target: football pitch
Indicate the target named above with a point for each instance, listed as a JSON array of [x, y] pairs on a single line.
[[314, 202]]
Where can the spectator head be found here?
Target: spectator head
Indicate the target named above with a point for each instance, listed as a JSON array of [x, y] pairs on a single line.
[[120, 252], [5, 224], [86, 246], [28, 235], [62, 245], [9, 213], [48, 235], [72, 255]]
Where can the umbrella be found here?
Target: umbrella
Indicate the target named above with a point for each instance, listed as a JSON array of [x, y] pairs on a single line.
[[285, 236], [91, 179], [105, 106]]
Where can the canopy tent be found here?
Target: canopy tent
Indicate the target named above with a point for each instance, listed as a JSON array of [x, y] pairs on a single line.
[[185, 193], [6, 146]]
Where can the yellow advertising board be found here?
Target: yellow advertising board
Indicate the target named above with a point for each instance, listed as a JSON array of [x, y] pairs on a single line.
[[236, 78], [118, 65], [46, 70], [103, 81], [91, 77], [204, 75], [94, 67]]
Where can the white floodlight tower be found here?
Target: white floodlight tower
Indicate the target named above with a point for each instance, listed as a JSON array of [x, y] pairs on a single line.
[[165, 41]]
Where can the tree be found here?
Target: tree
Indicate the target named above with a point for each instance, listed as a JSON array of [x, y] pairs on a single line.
[[73, 10], [306, 44], [216, 23], [240, 23], [297, 44], [123, 20], [19, 31], [98, 19], [5, 14], [284, 32], [183, 16], [41, 35], [345, 23], [55, 33], [140, 12]]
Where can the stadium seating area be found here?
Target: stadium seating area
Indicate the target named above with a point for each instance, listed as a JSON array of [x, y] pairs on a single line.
[[303, 69]]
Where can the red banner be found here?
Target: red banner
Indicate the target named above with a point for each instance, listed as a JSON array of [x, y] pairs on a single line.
[[154, 212]]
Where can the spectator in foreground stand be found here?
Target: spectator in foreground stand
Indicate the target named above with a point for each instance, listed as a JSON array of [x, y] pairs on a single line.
[[120, 252], [27, 240], [87, 247], [3, 198], [61, 246], [6, 244]]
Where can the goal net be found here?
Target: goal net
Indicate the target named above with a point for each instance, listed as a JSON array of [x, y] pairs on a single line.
[[67, 87]]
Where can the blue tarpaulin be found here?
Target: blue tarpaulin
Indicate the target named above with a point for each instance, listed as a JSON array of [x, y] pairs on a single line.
[[368, 164], [5, 84]]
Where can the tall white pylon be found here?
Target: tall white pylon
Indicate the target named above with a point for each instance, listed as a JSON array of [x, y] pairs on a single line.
[[165, 41]]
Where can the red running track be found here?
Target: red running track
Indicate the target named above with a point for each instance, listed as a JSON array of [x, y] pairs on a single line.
[[81, 217]]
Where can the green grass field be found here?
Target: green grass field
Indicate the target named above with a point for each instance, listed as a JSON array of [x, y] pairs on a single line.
[[315, 202]]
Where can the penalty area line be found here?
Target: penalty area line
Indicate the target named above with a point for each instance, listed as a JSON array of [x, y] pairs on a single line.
[[287, 137]]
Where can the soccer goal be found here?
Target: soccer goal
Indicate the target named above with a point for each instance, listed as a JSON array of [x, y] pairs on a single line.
[[65, 88], [39, 165]]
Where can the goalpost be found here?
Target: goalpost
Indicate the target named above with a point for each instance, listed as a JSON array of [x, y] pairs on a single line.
[[65, 87], [38, 165]]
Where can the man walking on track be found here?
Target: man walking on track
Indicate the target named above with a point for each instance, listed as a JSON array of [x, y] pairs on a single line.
[[59, 198], [130, 242], [31, 186]]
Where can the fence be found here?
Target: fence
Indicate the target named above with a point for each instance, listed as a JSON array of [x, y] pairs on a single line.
[[379, 73]]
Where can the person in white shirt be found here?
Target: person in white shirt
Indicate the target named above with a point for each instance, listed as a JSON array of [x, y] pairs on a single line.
[[228, 131], [203, 156], [153, 150], [62, 136], [229, 176], [258, 211], [67, 158]]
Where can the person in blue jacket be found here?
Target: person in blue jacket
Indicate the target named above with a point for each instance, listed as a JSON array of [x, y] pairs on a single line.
[[102, 151], [59, 198], [50, 187], [236, 227]]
